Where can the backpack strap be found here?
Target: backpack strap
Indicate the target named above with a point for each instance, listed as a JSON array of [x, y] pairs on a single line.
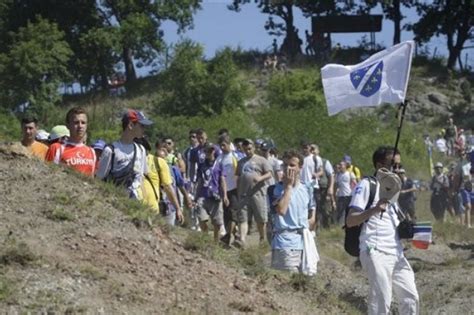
[[112, 160], [59, 154], [373, 189]]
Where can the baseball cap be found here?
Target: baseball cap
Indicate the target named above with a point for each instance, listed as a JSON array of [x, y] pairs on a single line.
[[58, 132], [136, 116], [439, 164], [265, 146], [401, 171], [347, 159], [42, 135], [99, 144], [259, 141]]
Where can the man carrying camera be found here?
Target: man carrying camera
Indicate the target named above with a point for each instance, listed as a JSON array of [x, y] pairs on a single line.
[[381, 252]]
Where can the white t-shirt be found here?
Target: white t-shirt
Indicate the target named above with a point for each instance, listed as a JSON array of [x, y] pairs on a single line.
[[379, 232], [440, 145], [123, 157], [343, 183], [309, 168], [228, 163]]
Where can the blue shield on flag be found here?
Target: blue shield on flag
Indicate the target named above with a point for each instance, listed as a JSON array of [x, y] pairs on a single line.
[[371, 75]]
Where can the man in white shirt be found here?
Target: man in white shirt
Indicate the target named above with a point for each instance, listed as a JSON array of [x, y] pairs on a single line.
[[124, 162], [345, 180], [381, 252]]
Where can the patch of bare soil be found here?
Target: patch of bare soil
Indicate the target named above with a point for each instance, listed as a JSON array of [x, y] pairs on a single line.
[[65, 247]]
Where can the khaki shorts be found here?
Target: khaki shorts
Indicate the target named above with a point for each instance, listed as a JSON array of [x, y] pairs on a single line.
[[287, 259], [209, 207], [256, 206]]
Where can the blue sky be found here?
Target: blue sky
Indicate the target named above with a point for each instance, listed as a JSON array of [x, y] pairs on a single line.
[[216, 27]]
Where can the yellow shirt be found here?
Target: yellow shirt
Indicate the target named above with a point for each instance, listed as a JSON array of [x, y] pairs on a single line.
[[356, 171], [151, 185], [38, 149]]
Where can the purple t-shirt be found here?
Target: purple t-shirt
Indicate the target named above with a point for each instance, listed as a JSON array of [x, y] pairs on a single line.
[[209, 180]]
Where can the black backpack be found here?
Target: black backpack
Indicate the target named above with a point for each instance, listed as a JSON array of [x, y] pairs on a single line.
[[323, 180], [352, 234]]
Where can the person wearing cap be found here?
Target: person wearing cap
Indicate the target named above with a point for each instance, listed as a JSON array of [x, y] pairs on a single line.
[[98, 147], [407, 197], [73, 152], [380, 249], [42, 136], [439, 197], [59, 133], [253, 172], [29, 127], [352, 168], [124, 162]]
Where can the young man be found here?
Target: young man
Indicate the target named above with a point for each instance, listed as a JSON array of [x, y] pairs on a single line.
[[292, 201], [439, 197], [345, 180], [407, 194], [381, 252], [210, 192], [29, 128], [124, 162], [253, 171], [73, 152], [228, 162]]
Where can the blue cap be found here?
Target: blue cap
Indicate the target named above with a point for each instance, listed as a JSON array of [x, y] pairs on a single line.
[[99, 144], [347, 159]]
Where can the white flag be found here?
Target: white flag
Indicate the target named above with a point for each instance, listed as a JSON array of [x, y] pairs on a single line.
[[382, 78]]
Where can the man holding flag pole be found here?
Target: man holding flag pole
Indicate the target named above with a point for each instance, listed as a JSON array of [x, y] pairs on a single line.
[[382, 78]]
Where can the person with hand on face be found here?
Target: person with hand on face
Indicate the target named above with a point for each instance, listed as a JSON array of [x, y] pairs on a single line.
[[381, 252], [73, 152], [29, 128], [291, 203]]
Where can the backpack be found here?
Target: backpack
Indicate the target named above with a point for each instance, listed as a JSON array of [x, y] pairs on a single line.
[[126, 176], [323, 180], [351, 237]]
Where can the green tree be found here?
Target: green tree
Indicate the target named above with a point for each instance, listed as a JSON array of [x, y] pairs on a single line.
[[34, 67], [193, 87], [138, 23], [282, 9], [392, 10], [452, 18], [296, 90]]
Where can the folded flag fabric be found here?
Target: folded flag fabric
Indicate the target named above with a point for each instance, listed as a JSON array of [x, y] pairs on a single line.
[[422, 235], [382, 78]]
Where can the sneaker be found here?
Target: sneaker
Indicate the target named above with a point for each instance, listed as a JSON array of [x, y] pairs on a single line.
[[222, 231]]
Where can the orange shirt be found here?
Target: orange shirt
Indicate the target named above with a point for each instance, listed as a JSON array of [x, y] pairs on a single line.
[[76, 155], [38, 149]]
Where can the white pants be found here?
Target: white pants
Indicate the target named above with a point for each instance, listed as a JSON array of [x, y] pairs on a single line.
[[387, 271]]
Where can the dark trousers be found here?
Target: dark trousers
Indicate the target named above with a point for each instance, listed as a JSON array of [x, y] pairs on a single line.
[[323, 215], [341, 205]]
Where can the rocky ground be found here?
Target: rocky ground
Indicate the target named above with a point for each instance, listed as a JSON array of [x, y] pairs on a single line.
[[65, 247]]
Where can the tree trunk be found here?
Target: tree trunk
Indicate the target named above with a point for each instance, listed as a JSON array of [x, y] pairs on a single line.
[[454, 54], [129, 67], [397, 18]]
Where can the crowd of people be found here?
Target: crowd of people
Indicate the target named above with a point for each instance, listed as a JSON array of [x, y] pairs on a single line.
[[451, 184], [232, 184]]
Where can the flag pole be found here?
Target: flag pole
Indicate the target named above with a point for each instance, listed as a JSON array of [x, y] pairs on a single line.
[[401, 116]]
